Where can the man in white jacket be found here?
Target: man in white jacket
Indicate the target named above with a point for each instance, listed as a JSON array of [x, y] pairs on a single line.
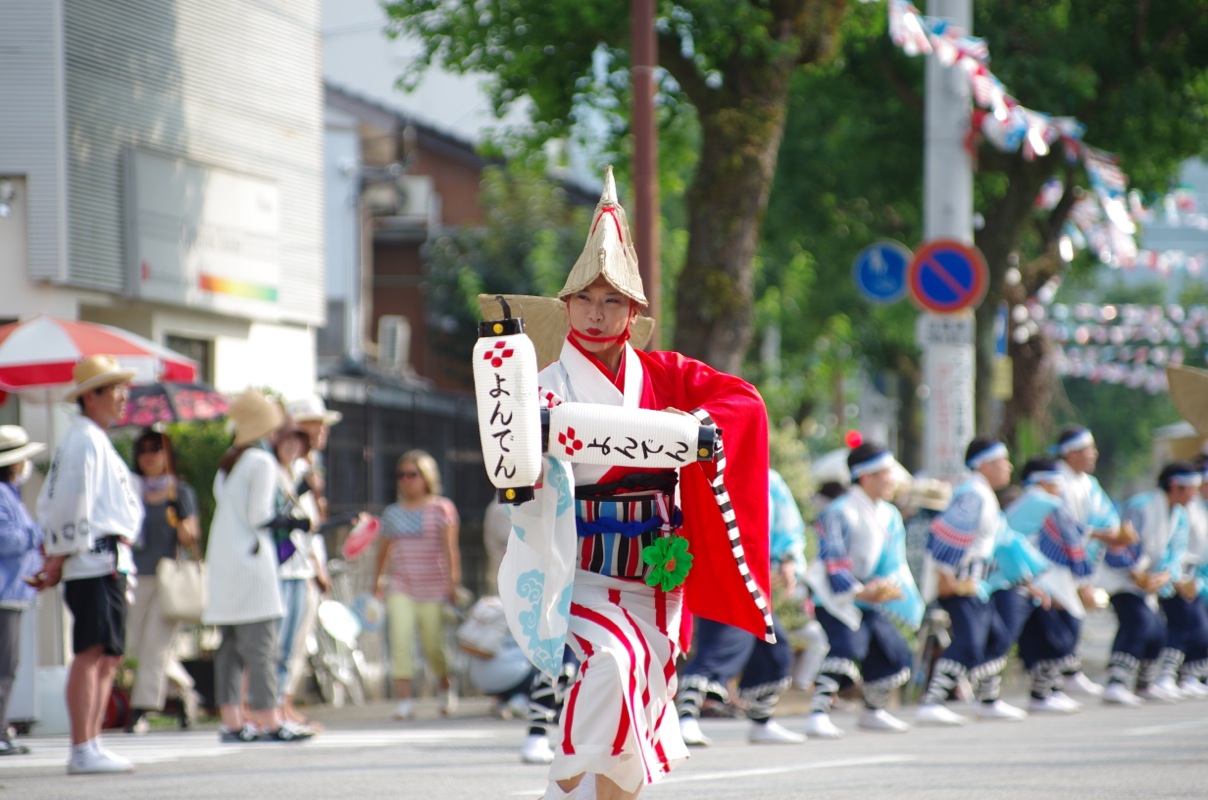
[[90, 513]]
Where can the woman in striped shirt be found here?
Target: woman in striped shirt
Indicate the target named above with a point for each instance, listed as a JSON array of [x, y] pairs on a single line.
[[419, 546]]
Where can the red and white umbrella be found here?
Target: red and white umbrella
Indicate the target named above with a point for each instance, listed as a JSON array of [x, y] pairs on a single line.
[[39, 354]]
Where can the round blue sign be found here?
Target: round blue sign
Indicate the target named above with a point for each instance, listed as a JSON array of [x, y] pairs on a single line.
[[947, 275], [880, 271]]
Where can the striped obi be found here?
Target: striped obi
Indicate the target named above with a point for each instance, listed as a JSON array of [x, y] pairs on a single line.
[[613, 530]]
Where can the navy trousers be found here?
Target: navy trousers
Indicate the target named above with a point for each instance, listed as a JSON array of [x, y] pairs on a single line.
[[723, 652], [1140, 632], [979, 634]]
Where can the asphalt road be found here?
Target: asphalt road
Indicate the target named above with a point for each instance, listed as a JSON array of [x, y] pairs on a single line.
[[1103, 752]]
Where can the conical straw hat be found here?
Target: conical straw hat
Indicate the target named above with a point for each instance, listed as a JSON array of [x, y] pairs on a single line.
[[609, 250], [546, 324], [1189, 392]]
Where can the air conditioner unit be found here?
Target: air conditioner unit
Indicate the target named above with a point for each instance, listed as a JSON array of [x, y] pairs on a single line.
[[394, 342], [415, 196], [381, 199]]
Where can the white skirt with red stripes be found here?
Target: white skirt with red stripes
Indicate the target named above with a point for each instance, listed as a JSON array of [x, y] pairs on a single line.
[[618, 719]]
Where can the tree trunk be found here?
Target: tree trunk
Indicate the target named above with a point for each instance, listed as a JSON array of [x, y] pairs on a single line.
[[998, 241], [742, 124], [726, 204]]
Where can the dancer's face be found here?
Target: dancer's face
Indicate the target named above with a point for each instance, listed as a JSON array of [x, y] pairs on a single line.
[[599, 312]]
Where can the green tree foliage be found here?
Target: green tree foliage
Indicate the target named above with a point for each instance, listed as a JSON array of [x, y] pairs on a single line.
[[1135, 74], [729, 62]]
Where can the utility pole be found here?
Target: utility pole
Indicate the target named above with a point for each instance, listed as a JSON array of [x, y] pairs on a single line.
[[947, 339], [645, 156]]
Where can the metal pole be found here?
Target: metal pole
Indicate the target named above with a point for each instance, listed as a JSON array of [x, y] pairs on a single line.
[[947, 340], [645, 154]]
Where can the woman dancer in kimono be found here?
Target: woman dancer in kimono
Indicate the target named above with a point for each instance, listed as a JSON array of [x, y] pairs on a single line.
[[598, 560]]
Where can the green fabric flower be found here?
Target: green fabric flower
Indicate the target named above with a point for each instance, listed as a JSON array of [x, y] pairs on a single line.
[[669, 562]]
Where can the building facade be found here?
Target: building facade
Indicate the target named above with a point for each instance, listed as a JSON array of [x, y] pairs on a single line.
[[165, 165]]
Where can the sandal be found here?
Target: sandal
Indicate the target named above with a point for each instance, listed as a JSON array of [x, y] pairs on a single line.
[[12, 749]]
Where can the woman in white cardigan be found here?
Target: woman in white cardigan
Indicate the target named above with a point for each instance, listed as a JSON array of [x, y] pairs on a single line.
[[242, 594]]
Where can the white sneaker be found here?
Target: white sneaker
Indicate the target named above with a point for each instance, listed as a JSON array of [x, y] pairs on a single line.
[[91, 762], [1192, 688], [1061, 698], [881, 720], [772, 732], [693, 735], [1117, 694], [938, 714], [1078, 683], [1000, 710], [536, 749], [819, 726], [404, 710], [1162, 690], [449, 705], [1049, 705]]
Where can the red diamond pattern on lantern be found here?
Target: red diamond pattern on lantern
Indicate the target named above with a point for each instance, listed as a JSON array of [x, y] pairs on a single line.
[[498, 353], [567, 440]]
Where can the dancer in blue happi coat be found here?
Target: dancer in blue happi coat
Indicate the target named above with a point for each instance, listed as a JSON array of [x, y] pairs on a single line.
[[1139, 576], [960, 552], [723, 652], [1050, 633], [861, 583], [1101, 526], [1194, 671]]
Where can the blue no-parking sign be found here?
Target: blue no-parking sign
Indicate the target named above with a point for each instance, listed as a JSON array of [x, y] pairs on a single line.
[[947, 275], [880, 271]]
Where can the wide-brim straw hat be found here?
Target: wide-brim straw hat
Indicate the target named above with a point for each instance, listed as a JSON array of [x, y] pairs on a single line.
[[546, 323], [608, 251], [1189, 393], [15, 445], [254, 416], [312, 409], [96, 371], [929, 493]]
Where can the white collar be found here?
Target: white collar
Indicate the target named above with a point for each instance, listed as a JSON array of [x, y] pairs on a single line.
[[590, 385]]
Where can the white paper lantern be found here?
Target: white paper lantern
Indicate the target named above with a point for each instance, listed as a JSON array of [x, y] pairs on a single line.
[[588, 433], [509, 417]]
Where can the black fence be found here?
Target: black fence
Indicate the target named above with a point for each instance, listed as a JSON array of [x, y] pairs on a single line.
[[381, 422]]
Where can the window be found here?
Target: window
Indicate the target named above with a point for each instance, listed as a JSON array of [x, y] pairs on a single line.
[[200, 350]]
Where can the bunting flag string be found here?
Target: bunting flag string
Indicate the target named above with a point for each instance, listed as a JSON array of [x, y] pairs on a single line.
[[1105, 224], [1128, 344]]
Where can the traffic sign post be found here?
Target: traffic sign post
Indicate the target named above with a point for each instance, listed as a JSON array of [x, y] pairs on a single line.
[[947, 275], [947, 344], [880, 271]]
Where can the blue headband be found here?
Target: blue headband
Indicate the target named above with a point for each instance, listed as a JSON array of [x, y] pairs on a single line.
[[996, 450], [1078, 441], [1186, 479], [875, 464], [1043, 476]]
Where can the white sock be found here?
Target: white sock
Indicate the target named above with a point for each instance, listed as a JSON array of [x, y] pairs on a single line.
[[82, 749]]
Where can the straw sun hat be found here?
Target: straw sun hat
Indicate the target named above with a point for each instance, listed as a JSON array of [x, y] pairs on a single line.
[[254, 416], [608, 252], [312, 409], [1189, 393], [94, 372], [15, 445]]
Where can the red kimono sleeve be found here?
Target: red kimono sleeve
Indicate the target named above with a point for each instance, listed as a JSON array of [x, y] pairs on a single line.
[[716, 588]]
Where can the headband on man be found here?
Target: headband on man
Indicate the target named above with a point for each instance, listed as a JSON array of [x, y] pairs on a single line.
[[992, 451], [867, 459], [1076, 440]]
